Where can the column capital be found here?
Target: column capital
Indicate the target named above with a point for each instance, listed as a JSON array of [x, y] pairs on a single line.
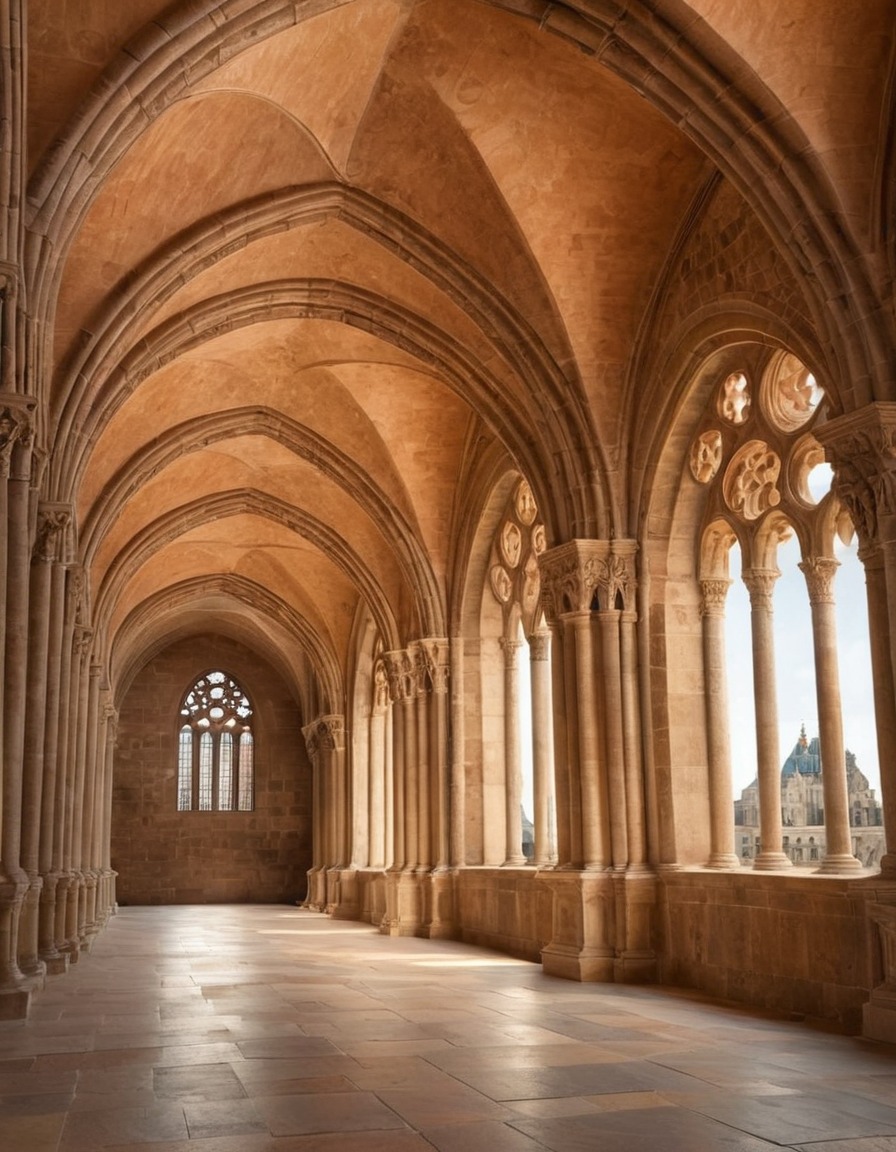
[[17, 425], [325, 734], [435, 652], [380, 688], [715, 593], [582, 574], [400, 671], [819, 572], [52, 522], [540, 645], [510, 648], [760, 584], [861, 447]]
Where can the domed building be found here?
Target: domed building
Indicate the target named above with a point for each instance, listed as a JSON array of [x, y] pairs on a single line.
[[802, 810]]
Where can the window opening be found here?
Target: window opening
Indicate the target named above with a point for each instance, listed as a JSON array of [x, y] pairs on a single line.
[[215, 758]]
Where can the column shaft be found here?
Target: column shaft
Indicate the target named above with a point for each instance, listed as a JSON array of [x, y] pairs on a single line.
[[760, 584], [513, 780], [543, 749], [715, 689], [819, 573]]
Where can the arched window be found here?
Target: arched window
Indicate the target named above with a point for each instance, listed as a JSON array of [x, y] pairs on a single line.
[[215, 763], [774, 529]]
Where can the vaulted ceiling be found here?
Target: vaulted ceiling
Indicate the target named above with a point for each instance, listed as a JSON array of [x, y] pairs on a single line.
[[302, 267]]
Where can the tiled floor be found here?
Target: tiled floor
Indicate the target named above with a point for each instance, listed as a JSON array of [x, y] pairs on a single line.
[[224, 1029]]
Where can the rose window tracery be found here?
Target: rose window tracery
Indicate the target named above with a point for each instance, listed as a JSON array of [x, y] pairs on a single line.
[[750, 485], [513, 576]]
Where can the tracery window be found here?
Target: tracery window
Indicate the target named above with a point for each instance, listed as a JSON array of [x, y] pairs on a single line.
[[215, 753], [774, 536]]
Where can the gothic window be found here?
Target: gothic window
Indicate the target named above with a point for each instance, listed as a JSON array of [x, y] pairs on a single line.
[[774, 536], [215, 764]]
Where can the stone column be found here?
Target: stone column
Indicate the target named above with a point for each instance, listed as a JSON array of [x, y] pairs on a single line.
[[63, 817], [596, 845], [422, 702], [457, 782], [563, 709], [760, 584], [16, 433], [110, 736], [51, 521], [315, 897], [513, 778], [614, 737], [543, 748], [331, 734], [87, 915], [398, 687], [437, 656], [636, 809], [78, 891], [819, 572], [53, 794], [715, 690], [377, 780]]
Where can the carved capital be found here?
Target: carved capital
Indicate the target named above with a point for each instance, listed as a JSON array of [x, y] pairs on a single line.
[[380, 688], [540, 645], [819, 572], [331, 733], [435, 654], [400, 670], [52, 521], [312, 743], [760, 584], [17, 420], [861, 447], [82, 641], [569, 575], [715, 594], [510, 649]]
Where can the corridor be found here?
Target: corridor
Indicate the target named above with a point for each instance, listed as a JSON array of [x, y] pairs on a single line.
[[273, 1029]]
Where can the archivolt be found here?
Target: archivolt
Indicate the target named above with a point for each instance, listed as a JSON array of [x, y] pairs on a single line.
[[195, 435], [130, 649], [242, 502]]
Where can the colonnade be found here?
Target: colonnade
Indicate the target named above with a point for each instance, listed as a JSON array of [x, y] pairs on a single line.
[[58, 724]]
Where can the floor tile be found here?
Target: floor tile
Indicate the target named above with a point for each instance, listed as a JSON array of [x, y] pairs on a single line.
[[261, 1029]]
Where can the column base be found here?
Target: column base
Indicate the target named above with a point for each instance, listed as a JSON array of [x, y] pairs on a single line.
[[14, 1004], [838, 865], [723, 861], [441, 924], [582, 964], [879, 1015], [772, 862]]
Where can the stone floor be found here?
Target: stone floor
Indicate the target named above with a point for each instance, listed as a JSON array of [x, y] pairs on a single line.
[[248, 1029]]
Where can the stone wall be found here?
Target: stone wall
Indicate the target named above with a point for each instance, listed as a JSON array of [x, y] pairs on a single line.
[[802, 945], [168, 857]]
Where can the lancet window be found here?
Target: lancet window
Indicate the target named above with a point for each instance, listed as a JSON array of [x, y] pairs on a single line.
[[215, 759]]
